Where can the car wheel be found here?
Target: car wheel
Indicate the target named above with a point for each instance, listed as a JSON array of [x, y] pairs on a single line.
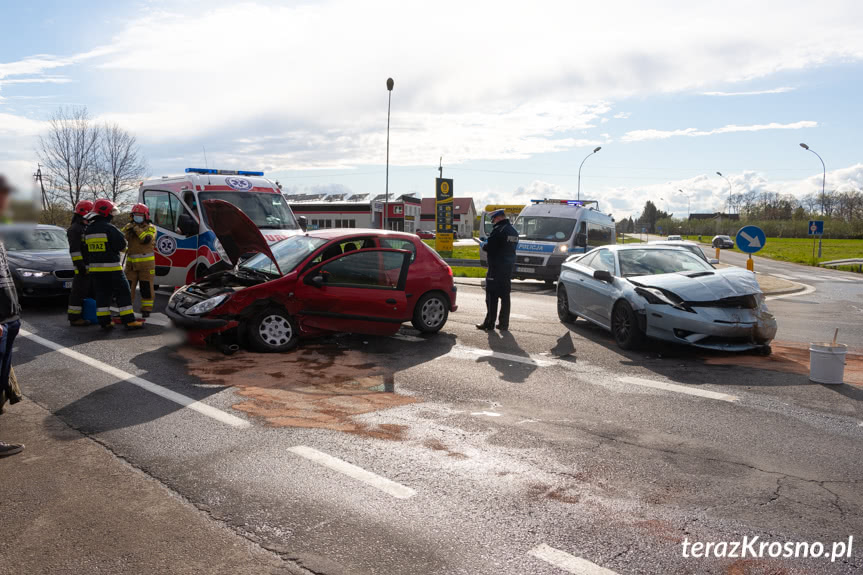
[[430, 313], [716, 245], [624, 326], [272, 330], [563, 312]]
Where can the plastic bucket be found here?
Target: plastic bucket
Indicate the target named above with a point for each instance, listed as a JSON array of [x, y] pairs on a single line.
[[89, 312], [827, 362]]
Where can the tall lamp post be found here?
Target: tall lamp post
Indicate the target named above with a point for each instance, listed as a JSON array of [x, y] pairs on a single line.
[[595, 150], [730, 190], [390, 84], [823, 177], [688, 210]]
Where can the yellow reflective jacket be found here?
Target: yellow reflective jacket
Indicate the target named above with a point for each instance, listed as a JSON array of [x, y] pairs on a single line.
[[141, 239]]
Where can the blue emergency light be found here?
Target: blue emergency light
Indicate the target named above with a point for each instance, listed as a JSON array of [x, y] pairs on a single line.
[[560, 202], [222, 172]]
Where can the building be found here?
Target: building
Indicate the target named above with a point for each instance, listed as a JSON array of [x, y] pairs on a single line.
[[355, 211], [463, 218]]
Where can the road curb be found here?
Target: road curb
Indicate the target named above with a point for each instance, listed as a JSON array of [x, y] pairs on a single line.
[[798, 287]]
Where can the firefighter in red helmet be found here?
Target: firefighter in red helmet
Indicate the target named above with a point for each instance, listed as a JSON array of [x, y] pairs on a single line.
[[140, 259], [81, 281], [104, 242]]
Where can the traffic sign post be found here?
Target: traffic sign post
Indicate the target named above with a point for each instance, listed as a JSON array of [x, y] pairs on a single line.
[[750, 239], [816, 228]]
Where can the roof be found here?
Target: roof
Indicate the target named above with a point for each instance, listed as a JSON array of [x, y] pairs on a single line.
[[459, 205]]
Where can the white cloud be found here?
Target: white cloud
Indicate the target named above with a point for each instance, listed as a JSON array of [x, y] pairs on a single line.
[[641, 135], [780, 90], [622, 115]]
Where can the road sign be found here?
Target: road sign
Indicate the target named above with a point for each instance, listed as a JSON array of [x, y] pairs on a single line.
[[444, 216], [750, 239], [816, 227]]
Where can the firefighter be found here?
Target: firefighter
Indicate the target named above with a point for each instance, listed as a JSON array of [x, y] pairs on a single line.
[[501, 245], [140, 260], [104, 242], [81, 281]]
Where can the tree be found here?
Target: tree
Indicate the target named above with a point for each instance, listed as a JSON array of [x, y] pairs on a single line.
[[120, 165], [69, 152]]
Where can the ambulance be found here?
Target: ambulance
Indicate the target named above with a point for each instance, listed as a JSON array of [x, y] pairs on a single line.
[[186, 248]]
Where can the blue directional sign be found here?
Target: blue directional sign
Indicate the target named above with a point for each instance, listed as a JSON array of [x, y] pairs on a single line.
[[816, 227], [750, 239]]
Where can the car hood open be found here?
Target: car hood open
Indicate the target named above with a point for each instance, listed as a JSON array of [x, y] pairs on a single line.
[[236, 232], [703, 286]]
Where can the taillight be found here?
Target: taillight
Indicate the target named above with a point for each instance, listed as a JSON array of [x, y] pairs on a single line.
[[449, 271]]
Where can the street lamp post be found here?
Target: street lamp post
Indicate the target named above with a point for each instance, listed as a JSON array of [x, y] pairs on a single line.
[[730, 191], [688, 211], [823, 177], [390, 84], [598, 148]]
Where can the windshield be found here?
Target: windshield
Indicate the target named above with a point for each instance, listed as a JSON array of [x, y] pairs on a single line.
[[32, 240], [652, 262], [544, 228], [289, 253], [266, 209]]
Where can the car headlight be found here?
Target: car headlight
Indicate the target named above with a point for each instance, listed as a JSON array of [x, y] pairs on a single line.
[[207, 305], [562, 248], [658, 296], [25, 273]]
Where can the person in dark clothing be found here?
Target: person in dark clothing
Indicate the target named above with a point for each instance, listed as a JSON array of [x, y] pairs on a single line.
[[501, 245], [10, 322], [103, 243], [81, 281]]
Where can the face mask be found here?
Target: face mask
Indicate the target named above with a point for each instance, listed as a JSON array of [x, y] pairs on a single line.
[[138, 219]]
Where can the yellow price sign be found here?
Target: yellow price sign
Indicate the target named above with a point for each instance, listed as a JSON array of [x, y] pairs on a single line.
[[443, 243]]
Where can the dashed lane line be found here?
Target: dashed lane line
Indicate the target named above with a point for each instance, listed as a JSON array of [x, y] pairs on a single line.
[[677, 388], [569, 563], [464, 352], [121, 375], [389, 487]]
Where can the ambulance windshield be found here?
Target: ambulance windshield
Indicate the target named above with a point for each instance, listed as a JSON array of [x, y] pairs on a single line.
[[266, 209]]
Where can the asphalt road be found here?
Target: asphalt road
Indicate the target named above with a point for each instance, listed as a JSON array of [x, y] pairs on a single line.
[[473, 453]]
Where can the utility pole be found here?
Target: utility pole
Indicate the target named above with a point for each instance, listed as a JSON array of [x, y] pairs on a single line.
[[390, 84], [38, 177], [440, 167]]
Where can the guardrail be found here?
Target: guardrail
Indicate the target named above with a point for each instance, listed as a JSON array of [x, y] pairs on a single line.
[[846, 262], [462, 263]]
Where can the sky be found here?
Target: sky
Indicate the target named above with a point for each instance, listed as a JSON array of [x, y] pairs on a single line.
[[513, 96]]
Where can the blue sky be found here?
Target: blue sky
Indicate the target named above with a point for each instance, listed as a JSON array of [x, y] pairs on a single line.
[[512, 98]]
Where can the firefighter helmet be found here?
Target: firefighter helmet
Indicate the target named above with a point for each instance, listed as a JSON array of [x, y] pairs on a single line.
[[103, 207], [83, 207], [141, 209]]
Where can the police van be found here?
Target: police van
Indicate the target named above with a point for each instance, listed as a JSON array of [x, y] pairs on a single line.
[[551, 230], [186, 248]]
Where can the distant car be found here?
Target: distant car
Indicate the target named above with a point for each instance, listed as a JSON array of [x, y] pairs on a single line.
[[336, 280], [38, 259], [722, 242], [426, 235], [691, 246], [667, 293], [674, 238], [454, 234]]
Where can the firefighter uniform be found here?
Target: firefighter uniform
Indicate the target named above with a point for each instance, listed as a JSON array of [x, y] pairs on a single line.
[[141, 261], [104, 242], [81, 281]]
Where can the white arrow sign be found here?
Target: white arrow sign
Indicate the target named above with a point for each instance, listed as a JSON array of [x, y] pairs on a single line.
[[753, 242]]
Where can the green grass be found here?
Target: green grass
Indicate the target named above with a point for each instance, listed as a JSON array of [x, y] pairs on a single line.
[[630, 240], [461, 252], [462, 272], [799, 250]]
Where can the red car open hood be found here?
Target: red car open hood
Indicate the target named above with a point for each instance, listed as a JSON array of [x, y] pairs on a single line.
[[236, 232]]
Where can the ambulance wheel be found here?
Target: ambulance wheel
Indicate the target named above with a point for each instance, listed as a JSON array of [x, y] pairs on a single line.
[[272, 331], [431, 313]]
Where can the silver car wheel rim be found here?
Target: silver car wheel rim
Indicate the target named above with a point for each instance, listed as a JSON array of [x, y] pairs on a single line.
[[432, 312], [562, 304], [275, 330]]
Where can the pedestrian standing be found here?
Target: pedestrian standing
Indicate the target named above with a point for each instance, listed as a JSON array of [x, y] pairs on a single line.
[[140, 259], [10, 321], [81, 281], [103, 243], [500, 246]]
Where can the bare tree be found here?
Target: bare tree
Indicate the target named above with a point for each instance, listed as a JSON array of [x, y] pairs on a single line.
[[120, 164], [69, 152]]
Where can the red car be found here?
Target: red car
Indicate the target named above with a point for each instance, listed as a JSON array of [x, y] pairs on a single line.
[[426, 235], [336, 280]]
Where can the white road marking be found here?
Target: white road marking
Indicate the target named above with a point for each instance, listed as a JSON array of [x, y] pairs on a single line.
[[520, 316], [785, 277], [487, 413], [809, 289], [121, 375], [677, 388], [567, 562], [464, 352], [389, 487]]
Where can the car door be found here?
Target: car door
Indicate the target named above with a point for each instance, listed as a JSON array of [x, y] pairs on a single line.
[[176, 245], [597, 294], [361, 291], [572, 277]]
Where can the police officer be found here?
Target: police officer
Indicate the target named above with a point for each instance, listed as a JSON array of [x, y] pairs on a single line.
[[103, 243], [500, 246], [81, 281], [140, 260]]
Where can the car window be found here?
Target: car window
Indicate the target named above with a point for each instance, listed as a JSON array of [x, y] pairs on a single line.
[[289, 253], [604, 260], [339, 248], [363, 269], [399, 244], [650, 262], [166, 210], [586, 259], [598, 235], [34, 239]]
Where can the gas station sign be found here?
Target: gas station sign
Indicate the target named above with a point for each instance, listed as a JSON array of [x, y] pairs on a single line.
[[443, 216]]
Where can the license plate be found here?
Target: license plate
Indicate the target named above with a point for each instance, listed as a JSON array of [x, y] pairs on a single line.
[[524, 270], [67, 285]]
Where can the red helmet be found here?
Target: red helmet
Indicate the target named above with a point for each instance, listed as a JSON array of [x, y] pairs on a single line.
[[141, 209], [103, 207], [83, 207]]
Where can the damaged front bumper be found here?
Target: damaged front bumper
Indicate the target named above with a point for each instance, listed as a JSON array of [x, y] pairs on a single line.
[[711, 327]]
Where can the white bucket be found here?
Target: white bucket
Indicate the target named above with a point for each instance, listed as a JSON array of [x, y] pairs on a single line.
[[827, 362]]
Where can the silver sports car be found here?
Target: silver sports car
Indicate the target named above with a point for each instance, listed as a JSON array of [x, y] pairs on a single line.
[[665, 292]]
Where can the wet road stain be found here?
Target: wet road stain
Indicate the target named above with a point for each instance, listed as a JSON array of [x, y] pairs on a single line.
[[755, 567], [437, 445], [317, 386], [789, 357]]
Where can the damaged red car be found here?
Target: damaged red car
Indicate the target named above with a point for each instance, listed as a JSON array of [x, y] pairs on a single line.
[[338, 280]]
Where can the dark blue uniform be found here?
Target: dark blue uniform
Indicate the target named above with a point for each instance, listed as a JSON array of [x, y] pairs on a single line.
[[501, 245], [103, 244]]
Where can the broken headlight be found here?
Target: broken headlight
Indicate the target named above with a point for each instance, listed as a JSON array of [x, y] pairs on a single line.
[[662, 297], [207, 305]]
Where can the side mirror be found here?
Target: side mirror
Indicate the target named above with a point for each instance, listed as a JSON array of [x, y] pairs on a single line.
[[303, 222], [713, 261], [603, 276], [317, 280], [482, 238], [581, 240]]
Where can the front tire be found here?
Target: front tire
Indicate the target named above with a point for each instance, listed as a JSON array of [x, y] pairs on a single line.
[[272, 331], [430, 313], [624, 326], [563, 312]]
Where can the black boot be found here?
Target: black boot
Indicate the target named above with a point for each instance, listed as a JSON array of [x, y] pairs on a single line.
[[484, 326]]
